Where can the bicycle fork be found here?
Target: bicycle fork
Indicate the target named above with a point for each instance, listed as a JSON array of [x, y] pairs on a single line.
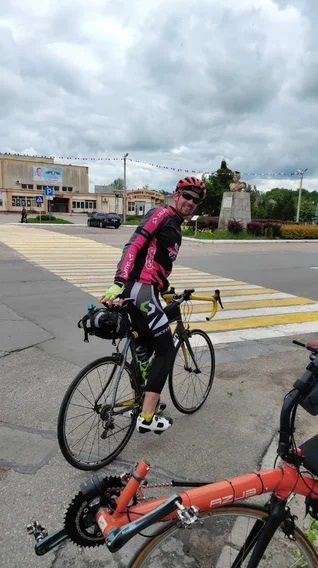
[[262, 532], [186, 351]]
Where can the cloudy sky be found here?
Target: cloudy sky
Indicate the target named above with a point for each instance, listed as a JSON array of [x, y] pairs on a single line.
[[177, 83]]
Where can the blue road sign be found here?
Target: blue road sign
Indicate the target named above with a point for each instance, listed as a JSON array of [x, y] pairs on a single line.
[[39, 199], [49, 191]]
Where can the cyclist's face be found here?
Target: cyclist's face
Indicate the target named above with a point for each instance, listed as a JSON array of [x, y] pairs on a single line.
[[185, 207]]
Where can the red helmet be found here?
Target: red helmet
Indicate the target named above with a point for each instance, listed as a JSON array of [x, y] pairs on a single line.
[[192, 184]]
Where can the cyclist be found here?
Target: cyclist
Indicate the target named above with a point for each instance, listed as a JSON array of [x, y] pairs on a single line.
[[142, 273]]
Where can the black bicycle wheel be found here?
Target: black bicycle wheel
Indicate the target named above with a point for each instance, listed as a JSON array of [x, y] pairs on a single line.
[[90, 432], [216, 540], [188, 386]]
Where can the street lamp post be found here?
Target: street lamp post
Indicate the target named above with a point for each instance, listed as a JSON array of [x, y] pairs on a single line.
[[301, 172], [125, 189]]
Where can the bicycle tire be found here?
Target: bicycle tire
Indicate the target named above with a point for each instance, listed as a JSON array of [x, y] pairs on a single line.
[[82, 418], [214, 542], [188, 389]]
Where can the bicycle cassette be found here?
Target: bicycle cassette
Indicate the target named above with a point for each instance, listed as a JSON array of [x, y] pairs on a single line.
[[79, 522]]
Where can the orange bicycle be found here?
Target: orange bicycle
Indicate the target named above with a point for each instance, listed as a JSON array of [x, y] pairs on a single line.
[[224, 533]]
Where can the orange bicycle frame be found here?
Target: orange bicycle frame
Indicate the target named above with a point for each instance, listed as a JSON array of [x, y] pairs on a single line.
[[280, 481]]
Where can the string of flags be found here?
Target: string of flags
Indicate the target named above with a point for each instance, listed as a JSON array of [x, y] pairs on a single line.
[[167, 168]]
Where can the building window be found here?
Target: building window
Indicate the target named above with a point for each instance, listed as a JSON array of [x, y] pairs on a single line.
[[39, 187], [23, 200], [65, 188], [30, 185], [87, 204], [131, 206], [24, 186]]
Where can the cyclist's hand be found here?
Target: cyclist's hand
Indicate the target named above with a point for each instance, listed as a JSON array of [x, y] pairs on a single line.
[[112, 293]]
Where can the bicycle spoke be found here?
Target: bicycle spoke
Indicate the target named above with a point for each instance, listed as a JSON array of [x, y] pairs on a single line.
[[192, 373], [224, 539], [96, 418]]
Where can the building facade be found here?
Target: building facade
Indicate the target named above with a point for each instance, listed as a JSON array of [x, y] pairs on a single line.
[[24, 178], [25, 181]]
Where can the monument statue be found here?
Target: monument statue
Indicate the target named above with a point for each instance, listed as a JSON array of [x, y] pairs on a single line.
[[237, 184], [236, 203]]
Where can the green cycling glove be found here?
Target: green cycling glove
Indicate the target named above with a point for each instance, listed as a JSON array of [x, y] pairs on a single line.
[[114, 291]]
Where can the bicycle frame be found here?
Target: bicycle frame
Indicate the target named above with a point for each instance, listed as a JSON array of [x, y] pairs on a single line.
[[280, 482], [119, 526]]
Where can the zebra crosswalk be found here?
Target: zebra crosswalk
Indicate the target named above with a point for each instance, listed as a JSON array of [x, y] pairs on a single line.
[[251, 311]]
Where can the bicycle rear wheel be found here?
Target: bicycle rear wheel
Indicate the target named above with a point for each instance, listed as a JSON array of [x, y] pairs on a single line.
[[190, 386], [216, 540], [92, 432]]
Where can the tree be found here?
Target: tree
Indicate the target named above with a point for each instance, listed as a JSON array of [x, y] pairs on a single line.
[[255, 196], [224, 175], [215, 185], [307, 210], [278, 203], [214, 192], [118, 184]]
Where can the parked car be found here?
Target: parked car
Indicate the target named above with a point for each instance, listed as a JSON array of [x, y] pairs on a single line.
[[104, 220]]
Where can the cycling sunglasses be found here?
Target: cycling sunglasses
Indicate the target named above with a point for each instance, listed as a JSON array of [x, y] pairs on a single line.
[[187, 196]]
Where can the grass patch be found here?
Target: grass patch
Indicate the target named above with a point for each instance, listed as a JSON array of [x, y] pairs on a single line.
[[55, 221], [222, 235]]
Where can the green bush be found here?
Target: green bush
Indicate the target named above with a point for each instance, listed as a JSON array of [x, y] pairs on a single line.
[[272, 230]]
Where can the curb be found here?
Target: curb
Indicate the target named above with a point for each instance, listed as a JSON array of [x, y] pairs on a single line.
[[203, 241], [239, 241]]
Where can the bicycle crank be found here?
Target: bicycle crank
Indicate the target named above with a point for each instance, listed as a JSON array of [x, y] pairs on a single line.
[[79, 523]]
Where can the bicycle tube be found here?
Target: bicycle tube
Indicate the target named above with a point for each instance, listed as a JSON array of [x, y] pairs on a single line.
[[192, 372], [91, 430], [215, 541]]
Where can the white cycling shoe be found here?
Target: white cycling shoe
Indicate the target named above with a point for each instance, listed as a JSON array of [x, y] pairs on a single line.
[[158, 424]]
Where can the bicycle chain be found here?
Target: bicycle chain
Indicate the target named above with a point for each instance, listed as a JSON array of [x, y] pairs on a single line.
[[79, 521]]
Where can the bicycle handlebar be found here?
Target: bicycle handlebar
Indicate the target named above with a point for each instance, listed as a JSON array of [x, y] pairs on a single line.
[[118, 537], [191, 294], [288, 412]]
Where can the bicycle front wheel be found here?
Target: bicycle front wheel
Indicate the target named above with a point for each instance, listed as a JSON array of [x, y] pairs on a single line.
[[191, 377], [217, 540], [92, 430]]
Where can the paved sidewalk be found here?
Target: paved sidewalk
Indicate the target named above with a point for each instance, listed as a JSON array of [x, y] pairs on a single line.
[[42, 350]]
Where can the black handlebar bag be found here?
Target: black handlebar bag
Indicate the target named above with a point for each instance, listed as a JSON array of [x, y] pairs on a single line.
[[106, 323]]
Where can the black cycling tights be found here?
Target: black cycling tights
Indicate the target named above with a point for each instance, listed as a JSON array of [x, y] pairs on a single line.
[[149, 318]]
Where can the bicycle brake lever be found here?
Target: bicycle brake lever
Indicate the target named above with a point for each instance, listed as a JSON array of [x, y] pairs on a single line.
[[217, 297]]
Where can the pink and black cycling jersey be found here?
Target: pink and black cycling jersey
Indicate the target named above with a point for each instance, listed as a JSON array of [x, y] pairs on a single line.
[[148, 256]]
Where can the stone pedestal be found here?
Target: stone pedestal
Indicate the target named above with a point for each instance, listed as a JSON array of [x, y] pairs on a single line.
[[235, 205]]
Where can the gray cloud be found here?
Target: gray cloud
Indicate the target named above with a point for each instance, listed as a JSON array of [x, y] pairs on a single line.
[[178, 85]]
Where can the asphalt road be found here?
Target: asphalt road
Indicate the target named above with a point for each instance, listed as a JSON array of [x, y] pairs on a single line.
[[42, 350]]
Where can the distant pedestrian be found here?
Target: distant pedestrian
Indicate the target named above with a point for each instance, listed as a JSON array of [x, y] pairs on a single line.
[[24, 215]]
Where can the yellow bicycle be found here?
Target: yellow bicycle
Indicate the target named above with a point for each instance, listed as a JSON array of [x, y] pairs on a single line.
[[100, 408]]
